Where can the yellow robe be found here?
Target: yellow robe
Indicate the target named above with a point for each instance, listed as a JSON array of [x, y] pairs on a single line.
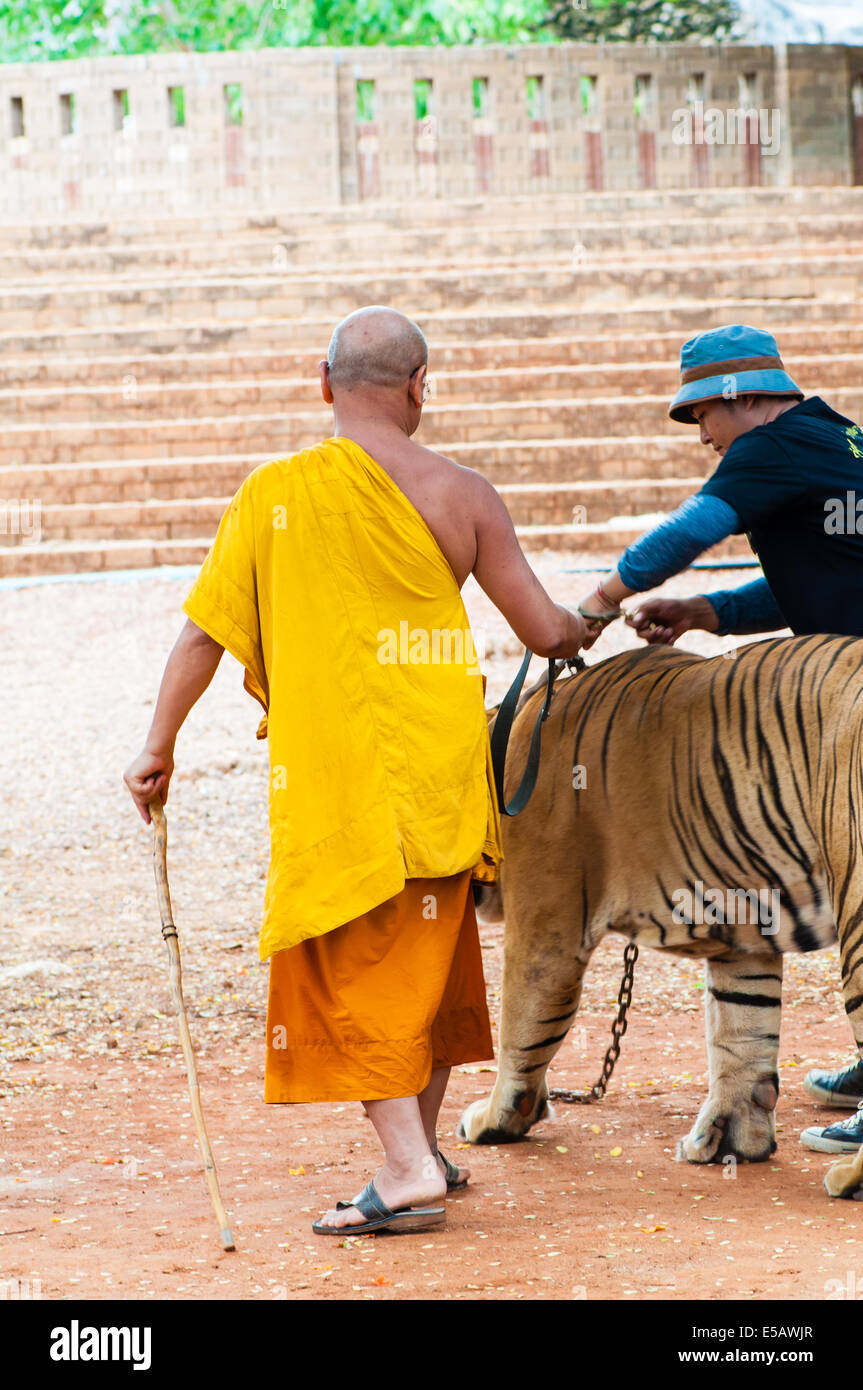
[[327, 585]]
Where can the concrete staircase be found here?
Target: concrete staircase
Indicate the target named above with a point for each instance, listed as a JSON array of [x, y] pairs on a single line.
[[146, 368]]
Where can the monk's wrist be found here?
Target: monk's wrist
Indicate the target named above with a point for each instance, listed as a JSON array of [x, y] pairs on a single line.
[[160, 742]]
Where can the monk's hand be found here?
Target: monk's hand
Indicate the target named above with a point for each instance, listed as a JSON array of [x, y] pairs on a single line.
[[660, 621], [147, 777]]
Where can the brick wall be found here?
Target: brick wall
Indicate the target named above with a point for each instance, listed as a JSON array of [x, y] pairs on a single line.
[[279, 128]]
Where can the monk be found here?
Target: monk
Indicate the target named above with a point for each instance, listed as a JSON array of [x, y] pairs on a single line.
[[335, 581]]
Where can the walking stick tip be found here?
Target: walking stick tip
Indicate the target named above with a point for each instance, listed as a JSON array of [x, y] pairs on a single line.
[[227, 1240]]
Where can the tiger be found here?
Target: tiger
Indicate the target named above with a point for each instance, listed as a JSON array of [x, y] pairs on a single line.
[[671, 788]]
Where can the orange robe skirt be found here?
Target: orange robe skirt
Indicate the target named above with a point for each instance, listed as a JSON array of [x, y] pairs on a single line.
[[365, 1012]]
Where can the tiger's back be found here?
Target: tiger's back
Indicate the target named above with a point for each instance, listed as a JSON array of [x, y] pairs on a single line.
[[701, 781]]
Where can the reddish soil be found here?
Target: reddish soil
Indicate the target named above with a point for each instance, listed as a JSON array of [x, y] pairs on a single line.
[[103, 1194]]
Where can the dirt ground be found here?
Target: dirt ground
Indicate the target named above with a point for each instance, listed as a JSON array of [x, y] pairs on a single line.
[[101, 1189]]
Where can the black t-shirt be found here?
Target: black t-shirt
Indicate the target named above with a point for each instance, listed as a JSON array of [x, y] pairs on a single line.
[[797, 486]]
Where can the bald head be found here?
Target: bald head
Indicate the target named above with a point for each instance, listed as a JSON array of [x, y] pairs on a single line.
[[375, 347]]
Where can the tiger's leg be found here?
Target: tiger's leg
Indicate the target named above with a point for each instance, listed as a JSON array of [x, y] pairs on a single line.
[[743, 1006], [541, 990]]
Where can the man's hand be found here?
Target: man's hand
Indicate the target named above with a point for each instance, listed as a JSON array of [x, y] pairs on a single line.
[[148, 776], [660, 621]]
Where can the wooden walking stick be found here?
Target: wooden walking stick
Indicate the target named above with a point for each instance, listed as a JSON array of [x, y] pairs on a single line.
[[172, 941]]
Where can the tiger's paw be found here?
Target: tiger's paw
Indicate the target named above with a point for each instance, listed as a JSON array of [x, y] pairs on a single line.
[[486, 1123], [845, 1178], [743, 1128]]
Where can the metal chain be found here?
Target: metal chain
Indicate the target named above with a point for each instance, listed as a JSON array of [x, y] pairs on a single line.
[[618, 1028]]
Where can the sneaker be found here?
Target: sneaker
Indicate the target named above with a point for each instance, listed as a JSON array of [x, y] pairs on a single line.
[[845, 1137], [842, 1089]]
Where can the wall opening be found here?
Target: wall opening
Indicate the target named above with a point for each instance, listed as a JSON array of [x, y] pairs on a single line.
[[233, 97], [365, 102], [119, 108], [645, 128], [594, 177], [535, 93], [700, 157], [751, 128], [857, 118], [368, 147], [425, 139], [539, 168], [176, 106], [480, 93], [483, 139], [67, 113], [16, 117], [235, 150]]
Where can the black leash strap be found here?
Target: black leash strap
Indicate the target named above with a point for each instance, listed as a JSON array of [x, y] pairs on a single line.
[[500, 740]]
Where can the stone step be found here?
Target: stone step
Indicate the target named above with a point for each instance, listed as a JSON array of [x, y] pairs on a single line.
[[428, 252], [181, 518], [280, 434], [833, 275], [597, 462], [76, 557], [134, 400], [798, 345], [699, 205], [633, 323]]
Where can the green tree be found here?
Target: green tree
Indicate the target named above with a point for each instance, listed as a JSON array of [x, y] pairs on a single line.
[[633, 21], [34, 29]]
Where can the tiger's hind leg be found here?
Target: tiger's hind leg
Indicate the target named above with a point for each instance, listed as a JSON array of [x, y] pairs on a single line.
[[743, 1007]]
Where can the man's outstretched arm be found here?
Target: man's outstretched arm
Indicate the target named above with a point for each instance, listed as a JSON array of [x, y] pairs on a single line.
[[189, 670], [697, 524]]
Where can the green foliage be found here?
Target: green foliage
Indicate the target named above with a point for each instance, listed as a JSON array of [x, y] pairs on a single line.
[[35, 29], [52, 29], [633, 21]]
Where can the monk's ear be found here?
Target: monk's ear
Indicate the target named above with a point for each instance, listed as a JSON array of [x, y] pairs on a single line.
[[416, 386], [326, 388]]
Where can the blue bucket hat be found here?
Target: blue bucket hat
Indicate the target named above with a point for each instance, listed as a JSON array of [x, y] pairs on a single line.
[[725, 363]]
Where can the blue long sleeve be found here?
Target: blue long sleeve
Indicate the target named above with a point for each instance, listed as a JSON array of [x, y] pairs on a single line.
[[751, 608], [696, 525]]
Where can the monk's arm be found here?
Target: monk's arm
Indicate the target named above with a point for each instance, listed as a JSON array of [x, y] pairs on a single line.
[[189, 670], [502, 570]]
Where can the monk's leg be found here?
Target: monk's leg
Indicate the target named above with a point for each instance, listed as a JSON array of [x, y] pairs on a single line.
[[430, 1101], [410, 1176]]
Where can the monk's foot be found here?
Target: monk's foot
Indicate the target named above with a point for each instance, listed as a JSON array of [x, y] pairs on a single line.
[[460, 1176], [396, 1190]]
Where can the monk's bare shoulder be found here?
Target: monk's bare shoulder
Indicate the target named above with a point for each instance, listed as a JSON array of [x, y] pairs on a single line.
[[462, 482]]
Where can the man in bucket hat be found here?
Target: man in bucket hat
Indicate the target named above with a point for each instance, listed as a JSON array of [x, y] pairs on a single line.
[[789, 475]]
